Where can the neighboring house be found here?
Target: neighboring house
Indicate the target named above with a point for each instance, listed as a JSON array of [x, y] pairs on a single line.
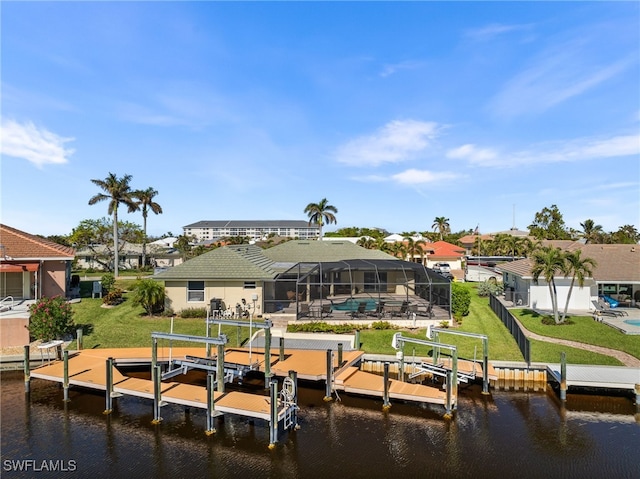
[[443, 252], [617, 274], [296, 270], [469, 241], [130, 256], [30, 268], [256, 230]]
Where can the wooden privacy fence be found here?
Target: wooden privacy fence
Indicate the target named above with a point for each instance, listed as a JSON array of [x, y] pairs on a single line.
[[512, 325]]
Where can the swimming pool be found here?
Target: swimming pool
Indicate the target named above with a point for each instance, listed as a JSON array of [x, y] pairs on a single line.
[[632, 322], [352, 305]]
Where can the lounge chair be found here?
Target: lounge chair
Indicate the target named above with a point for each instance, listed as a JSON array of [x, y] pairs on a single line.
[[600, 309], [360, 312]]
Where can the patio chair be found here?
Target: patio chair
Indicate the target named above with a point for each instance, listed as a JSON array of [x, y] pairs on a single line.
[[600, 309], [360, 312], [326, 310]]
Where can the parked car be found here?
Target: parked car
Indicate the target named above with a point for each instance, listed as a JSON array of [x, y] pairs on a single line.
[[442, 267]]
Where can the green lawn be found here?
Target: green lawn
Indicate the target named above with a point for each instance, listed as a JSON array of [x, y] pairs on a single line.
[[126, 325]]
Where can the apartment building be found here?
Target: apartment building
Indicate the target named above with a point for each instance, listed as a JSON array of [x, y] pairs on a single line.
[[255, 230]]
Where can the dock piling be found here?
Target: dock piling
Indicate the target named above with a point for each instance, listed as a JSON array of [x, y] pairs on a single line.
[[109, 387], [273, 408], [267, 354], [27, 369], [65, 378], [340, 355], [563, 376], [448, 406], [79, 338], [386, 404], [294, 413], [328, 393], [157, 390], [281, 349], [210, 405], [220, 368]]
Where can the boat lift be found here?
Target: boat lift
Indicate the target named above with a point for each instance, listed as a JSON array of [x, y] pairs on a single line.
[[449, 374]]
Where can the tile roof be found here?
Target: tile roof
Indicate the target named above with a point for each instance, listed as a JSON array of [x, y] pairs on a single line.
[[615, 262], [442, 249], [298, 251], [228, 262], [19, 245]]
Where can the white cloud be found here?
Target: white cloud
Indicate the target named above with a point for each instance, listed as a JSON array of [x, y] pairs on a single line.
[[422, 177], [493, 30], [395, 142], [582, 149], [392, 68], [556, 75], [37, 145]]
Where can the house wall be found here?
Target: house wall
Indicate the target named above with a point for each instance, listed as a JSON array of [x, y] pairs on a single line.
[[231, 292], [53, 279], [453, 262], [14, 332], [580, 297]]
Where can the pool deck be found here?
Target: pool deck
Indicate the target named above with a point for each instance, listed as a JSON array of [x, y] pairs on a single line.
[[619, 322]]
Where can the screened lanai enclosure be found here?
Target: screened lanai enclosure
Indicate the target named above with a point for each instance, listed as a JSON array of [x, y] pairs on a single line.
[[389, 289]]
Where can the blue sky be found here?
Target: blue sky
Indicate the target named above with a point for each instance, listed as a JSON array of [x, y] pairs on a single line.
[[395, 112]]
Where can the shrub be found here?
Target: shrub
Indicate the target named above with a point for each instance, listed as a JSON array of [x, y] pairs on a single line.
[[113, 298], [193, 313], [150, 295], [323, 327], [382, 325], [460, 300], [490, 287], [108, 280], [50, 318]]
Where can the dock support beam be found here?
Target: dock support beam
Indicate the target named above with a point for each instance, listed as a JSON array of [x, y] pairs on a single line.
[[563, 376], [267, 356], [220, 368], [79, 338], [273, 408], [157, 395], [386, 405], [327, 394], [109, 389], [27, 369], [65, 378], [210, 405]]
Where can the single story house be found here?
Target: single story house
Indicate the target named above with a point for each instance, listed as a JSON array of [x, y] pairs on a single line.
[[31, 267], [617, 274], [293, 273], [130, 256]]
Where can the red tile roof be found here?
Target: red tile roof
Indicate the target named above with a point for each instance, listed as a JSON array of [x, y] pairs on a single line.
[[442, 249], [19, 245]]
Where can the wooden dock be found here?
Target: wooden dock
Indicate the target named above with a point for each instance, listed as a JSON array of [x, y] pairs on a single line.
[[605, 377]]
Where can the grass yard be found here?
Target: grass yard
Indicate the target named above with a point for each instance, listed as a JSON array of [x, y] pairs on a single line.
[[126, 325]]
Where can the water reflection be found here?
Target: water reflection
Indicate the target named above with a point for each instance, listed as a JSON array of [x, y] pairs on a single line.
[[506, 434]]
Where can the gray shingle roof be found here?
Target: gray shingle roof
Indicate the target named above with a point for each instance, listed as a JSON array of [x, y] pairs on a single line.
[[229, 262], [298, 251]]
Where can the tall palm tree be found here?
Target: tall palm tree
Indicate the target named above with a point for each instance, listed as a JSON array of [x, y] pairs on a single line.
[[320, 213], [591, 232], [396, 249], [442, 225], [547, 262], [579, 268], [414, 248], [145, 203], [117, 191]]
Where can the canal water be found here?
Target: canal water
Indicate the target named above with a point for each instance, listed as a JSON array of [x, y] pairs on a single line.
[[504, 435]]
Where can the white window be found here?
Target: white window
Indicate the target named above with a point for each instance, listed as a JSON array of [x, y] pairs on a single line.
[[195, 291]]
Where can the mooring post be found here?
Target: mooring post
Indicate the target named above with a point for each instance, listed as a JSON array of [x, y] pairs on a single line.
[[273, 421], [27, 369], [109, 387], [447, 406], [157, 391], [485, 365], [357, 340], [79, 338], [281, 349], [267, 353], [220, 368], [339, 355], [293, 375], [386, 405], [327, 395], [210, 405], [65, 379], [563, 376]]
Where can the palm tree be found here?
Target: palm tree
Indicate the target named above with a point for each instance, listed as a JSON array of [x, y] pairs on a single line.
[[116, 190], [547, 261], [414, 248], [145, 202], [579, 268], [591, 232], [442, 225], [396, 249], [318, 212]]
